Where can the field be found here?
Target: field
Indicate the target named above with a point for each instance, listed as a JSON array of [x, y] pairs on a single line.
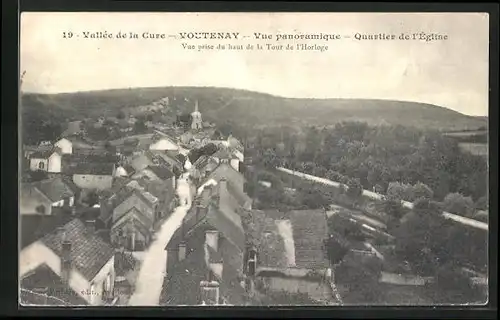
[[251, 109]]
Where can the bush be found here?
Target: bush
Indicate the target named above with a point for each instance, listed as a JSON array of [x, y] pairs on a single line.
[[458, 204], [354, 189]]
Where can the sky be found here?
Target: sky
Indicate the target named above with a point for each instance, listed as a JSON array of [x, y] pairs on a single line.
[[452, 73]]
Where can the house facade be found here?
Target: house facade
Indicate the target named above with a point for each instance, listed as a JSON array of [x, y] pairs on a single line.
[[133, 212], [164, 143], [70, 264], [48, 160], [98, 176], [65, 145]]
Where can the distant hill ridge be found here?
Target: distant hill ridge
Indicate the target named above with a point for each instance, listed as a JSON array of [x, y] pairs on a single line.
[[252, 108]]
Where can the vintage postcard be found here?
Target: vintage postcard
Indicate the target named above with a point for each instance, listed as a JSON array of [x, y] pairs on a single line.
[[253, 159]]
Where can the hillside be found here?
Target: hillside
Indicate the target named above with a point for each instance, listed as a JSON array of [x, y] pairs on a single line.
[[254, 109]]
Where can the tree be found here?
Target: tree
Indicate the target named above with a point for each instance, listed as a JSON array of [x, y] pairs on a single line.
[[453, 286], [336, 248], [482, 203], [397, 191], [91, 199], [427, 207], [109, 147], [354, 189], [394, 209], [120, 115], [139, 126], [458, 204], [421, 191]]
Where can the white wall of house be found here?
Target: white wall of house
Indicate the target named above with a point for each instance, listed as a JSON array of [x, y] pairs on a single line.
[[55, 163], [235, 163], [99, 281], [164, 144], [59, 203], [39, 164], [90, 181], [239, 155], [65, 145]]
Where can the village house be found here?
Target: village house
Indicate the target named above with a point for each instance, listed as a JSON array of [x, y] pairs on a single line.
[[98, 176], [202, 167], [157, 158], [40, 197], [288, 254], [65, 145], [155, 172], [162, 142], [46, 159], [130, 213], [124, 171], [235, 182], [70, 265], [205, 255], [224, 155]]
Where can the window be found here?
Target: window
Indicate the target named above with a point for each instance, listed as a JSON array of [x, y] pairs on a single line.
[[40, 209], [41, 165]]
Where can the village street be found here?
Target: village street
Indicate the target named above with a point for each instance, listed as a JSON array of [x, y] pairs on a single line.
[[150, 279]]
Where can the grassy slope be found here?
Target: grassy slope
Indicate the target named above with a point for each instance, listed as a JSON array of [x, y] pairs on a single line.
[[257, 109]]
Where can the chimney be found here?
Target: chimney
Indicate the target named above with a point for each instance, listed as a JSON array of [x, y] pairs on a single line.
[[182, 251], [209, 292], [65, 257], [212, 239], [90, 225]]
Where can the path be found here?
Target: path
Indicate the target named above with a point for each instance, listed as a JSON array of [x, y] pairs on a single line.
[[150, 279], [375, 196]]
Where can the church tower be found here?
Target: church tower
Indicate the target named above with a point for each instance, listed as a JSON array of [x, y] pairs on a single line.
[[197, 122]]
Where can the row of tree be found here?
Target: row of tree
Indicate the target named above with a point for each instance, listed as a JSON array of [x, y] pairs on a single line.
[[376, 156]]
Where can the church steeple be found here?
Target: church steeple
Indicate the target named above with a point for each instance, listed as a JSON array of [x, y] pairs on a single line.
[[197, 122]]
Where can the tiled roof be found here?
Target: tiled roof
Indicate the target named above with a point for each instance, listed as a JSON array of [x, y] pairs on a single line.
[[224, 153], [55, 189], [270, 245], [94, 168], [89, 253], [310, 229], [182, 285], [58, 293], [34, 226], [161, 172], [44, 152], [130, 170], [228, 223], [224, 218], [139, 219], [229, 284]]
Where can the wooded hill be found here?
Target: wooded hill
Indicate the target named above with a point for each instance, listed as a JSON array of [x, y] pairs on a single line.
[[248, 108]]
